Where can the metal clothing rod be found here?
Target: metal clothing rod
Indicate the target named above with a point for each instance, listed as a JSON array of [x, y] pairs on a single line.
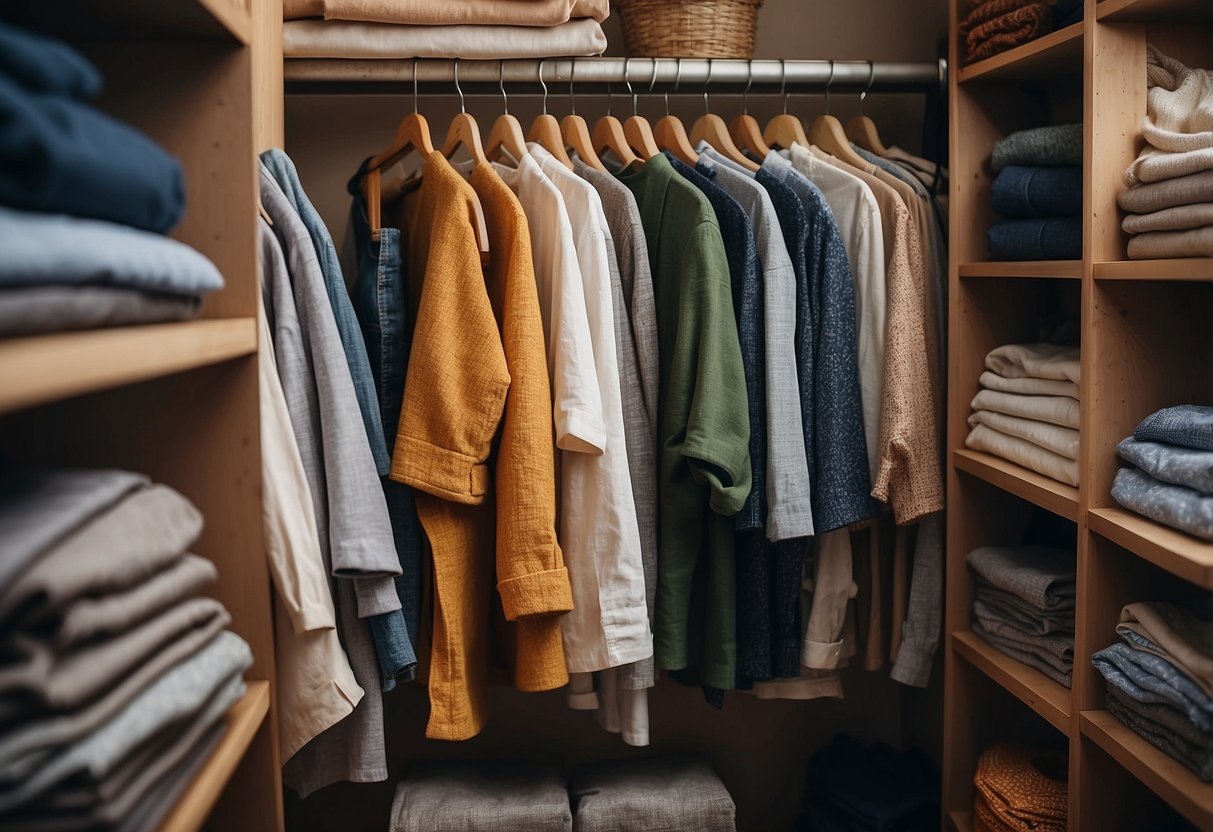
[[603, 75]]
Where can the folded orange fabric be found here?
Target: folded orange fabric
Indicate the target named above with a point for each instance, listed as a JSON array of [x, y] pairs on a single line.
[[448, 13], [1020, 790], [1008, 31], [987, 10]]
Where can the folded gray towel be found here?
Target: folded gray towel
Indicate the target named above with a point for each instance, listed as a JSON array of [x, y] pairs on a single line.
[[466, 797]]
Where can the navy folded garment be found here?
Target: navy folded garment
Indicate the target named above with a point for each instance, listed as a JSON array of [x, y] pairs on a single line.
[[1040, 238], [42, 64], [63, 156], [1021, 191], [1066, 12], [1186, 425]]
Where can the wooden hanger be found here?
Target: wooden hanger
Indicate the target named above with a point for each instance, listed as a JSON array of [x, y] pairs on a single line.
[[827, 134], [412, 134], [545, 130], [636, 129], [507, 131], [576, 132], [608, 133], [463, 132], [784, 130], [669, 133], [861, 129], [744, 129], [711, 128]]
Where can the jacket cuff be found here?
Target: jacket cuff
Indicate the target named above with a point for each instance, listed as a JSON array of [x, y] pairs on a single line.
[[913, 666], [821, 655], [539, 593], [581, 432], [445, 473]]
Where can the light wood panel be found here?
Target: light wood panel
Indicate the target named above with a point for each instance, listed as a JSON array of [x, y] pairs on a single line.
[[1192, 268], [1043, 59], [1040, 693], [1180, 554], [1067, 269], [1057, 497], [961, 821], [1145, 11]]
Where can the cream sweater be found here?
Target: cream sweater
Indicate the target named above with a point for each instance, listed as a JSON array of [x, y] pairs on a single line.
[[1179, 120]]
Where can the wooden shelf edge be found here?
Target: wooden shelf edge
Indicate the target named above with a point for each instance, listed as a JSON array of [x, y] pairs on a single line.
[[1185, 268], [960, 821], [1152, 11], [243, 721], [46, 368], [1006, 63], [1180, 554], [1047, 698], [1057, 269], [1057, 497], [236, 20], [1167, 778]]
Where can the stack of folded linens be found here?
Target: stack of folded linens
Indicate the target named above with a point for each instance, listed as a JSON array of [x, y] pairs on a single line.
[[1024, 605], [1020, 789], [1027, 409], [1169, 201], [115, 672], [471, 29], [1038, 191], [1173, 480], [994, 26], [1160, 678]]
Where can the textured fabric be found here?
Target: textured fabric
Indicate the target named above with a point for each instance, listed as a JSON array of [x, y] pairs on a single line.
[[62, 156], [1020, 191], [990, 602], [1193, 189], [832, 589], [1026, 790], [1161, 245], [1156, 717], [1181, 633], [1039, 361], [1022, 452], [1027, 385], [153, 809], [1042, 577], [1056, 648], [429, 12], [462, 797], [1061, 441], [680, 795], [1169, 463], [704, 439], [1041, 238], [347, 39], [1034, 657], [52, 249], [1198, 758], [1145, 677], [1180, 218], [1053, 410], [1156, 165], [1007, 31], [47, 65], [1178, 126], [1186, 425], [1172, 505], [33, 310], [924, 620], [1040, 146]]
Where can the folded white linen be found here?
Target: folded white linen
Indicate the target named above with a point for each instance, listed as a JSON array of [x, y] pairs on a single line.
[[1035, 361], [1022, 452], [1029, 386], [347, 39], [1056, 410], [1059, 440]]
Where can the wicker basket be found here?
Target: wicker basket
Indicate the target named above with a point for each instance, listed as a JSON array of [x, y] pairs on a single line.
[[689, 28]]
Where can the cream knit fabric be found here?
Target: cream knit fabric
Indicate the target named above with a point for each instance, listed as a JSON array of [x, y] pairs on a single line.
[[1170, 219], [1179, 121], [1158, 245]]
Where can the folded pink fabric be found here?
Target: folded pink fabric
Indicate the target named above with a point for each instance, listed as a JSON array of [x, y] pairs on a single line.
[[348, 39], [450, 12]]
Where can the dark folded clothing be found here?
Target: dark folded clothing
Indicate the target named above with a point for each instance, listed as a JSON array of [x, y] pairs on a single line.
[[1040, 576], [1015, 28], [1196, 758], [1021, 191], [853, 787], [1035, 657], [992, 602], [1172, 505], [32, 310], [1165, 716], [62, 156], [1060, 144], [1186, 425], [47, 65], [1066, 13], [1044, 238]]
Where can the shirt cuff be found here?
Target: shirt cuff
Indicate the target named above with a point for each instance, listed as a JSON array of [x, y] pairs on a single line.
[[580, 432], [581, 695], [311, 617], [442, 472], [539, 593], [821, 655], [913, 666]]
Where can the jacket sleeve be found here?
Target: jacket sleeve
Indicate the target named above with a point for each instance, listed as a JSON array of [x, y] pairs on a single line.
[[921, 634]]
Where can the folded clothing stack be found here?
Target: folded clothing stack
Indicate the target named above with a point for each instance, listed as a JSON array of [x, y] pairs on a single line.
[[1038, 190], [1027, 409], [994, 26], [116, 674], [472, 29], [1173, 480], [86, 200], [853, 788], [1019, 788], [1169, 201], [1024, 605], [1160, 678]]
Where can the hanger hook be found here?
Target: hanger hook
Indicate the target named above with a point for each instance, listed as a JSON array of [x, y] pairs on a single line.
[[505, 101], [572, 96], [415, 85], [459, 89], [707, 84], [653, 76], [829, 83], [749, 82], [543, 84], [677, 83], [871, 78], [627, 67]]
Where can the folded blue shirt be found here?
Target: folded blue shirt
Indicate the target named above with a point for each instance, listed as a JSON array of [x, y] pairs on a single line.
[[1021, 191], [1172, 505], [1144, 677], [1186, 425], [47, 65], [62, 156], [1041, 238], [1171, 463]]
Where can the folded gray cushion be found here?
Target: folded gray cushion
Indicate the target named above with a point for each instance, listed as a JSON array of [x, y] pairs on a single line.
[[466, 797], [678, 795], [32, 310]]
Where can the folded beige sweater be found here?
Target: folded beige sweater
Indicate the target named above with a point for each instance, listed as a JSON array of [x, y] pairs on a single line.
[[1192, 189], [1180, 218], [450, 12], [1162, 245]]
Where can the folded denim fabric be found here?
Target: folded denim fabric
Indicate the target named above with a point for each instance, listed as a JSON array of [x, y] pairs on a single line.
[[1172, 505], [1043, 577], [1179, 104], [680, 793], [62, 156], [1015, 28], [1054, 410], [1042, 238], [151, 812], [1163, 245], [1186, 425], [1059, 647], [1181, 218], [145, 532], [174, 696], [345, 39], [47, 65], [41, 506], [1030, 386], [991, 602], [1059, 440], [1021, 191], [1066, 13], [1181, 633], [466, 797], [1033, 657], [1198, 760], [1164, 716], [1145, 677], [1024, 453], [53, 249], [440, 13], [1171, 463], [1193, 189], [1058, 145], [1036, 361], [33, 310]]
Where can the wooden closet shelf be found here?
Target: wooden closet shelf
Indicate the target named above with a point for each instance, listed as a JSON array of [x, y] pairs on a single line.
[[243, 721], [1151, 11], [1044, 59], [1177, 552], [46, 368], [960, 821], [1167, 778], [142, 20], [1040, 693], [1059, 269], [1049, 494], [1189, 268]]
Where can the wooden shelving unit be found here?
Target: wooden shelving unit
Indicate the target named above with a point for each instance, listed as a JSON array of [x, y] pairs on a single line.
[[179, 402], [960, 821], [1146, 344]]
